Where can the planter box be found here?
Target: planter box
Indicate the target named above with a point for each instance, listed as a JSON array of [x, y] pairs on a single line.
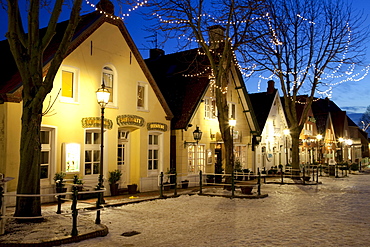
[[184, 184], [132, 188]]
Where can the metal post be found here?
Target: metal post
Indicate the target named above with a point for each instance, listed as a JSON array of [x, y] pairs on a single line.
[[232, 184], [317, 175], [282, 175], [74, 211], [101, 176], [175, 192], [258, 182], [59, 207], [3, 210], [98, 206], [200, 182], [161, 185]]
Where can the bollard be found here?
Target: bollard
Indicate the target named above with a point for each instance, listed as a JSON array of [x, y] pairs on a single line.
[[175, 192], [59, 207], [74, 211], [304, 175], [200, 182], [98, 206], [282, 175], [317, 175], [258, 182], [161, 186], [232, 184], [3, 210], [336, 171]]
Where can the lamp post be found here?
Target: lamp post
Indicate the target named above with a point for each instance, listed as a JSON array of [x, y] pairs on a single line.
[[286, 133], [341, 140], [232, 123], [102, 96], [319, 138], [197, 135]]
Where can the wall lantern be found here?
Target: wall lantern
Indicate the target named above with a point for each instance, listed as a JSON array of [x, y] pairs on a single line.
[[197, 135]]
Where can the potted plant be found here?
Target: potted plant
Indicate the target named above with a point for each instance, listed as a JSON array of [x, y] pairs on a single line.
[[185, 184], [210, 179], [238, 170], [78, 183], [114, 177], [132, 188], [59, 182]]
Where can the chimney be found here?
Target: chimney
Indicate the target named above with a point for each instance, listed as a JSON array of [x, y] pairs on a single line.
[[270, 87], [106, 6], [216, 34], [155, 53]]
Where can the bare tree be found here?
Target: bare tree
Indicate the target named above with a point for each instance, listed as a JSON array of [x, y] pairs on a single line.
[[28, 52], [191, 22], [365, 120], [310, 44]]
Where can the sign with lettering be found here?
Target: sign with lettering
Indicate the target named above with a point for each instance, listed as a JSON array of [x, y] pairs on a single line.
[[157, 126], [124, 120], [94, 122]]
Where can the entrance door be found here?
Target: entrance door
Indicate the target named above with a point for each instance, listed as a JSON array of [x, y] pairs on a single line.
[[122, 156]]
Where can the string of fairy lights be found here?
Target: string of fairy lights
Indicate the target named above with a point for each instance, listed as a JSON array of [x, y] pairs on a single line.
[[133, 8], [348, 74]]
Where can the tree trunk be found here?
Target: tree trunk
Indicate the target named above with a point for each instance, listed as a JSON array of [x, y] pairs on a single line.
[[295, 149], [29, 170]]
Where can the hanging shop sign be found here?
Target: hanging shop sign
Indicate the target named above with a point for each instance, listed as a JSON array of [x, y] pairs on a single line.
[[94, 122], [157, 126], [124, 120]]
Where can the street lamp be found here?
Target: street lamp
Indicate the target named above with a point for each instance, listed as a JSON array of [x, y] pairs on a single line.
[[286, 133], [341, 140], [319, 138], [102, 96]]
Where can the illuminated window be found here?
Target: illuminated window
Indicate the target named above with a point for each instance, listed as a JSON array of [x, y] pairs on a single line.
[[210, 108], [153, 152], [142, 96], [108, 79], [92, 152], [45, 137], [196, 158], [69, 84], [232, 111]]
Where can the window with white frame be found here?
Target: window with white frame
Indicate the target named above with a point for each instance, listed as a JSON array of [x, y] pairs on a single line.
[[196, 158], [240, 153], [69, 84], [142, 96], [92, 152], [232, 110], [210, 108], [153, 152], [45, 158], [108, 77]]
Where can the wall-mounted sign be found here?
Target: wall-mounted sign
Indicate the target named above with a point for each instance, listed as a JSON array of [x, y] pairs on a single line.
[[124, 120], [71, 157], [94, 122], [157, 126]]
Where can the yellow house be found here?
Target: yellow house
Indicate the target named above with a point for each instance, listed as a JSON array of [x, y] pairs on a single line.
[[137, 118], [184, 78]]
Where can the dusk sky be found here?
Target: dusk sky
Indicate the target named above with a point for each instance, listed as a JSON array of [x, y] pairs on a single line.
[[353, 97]]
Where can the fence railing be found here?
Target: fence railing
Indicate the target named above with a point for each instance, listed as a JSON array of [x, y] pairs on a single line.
[[74, 210]]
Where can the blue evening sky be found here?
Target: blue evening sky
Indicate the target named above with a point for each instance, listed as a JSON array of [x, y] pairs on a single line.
[[349, 96]]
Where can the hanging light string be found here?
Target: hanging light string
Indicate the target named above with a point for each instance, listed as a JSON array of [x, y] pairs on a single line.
[[138, 5]]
